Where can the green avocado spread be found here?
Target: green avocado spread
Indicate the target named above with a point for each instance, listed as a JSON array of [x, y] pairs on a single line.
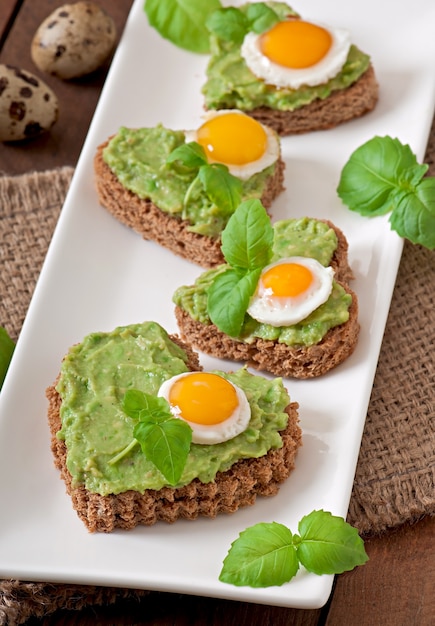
[[94, 377], [138, 158], [295, 237], [231, 84]]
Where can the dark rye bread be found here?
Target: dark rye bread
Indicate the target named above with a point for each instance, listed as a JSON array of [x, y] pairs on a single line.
[[171, 232], [341, 106], [277, 358], [239, 486], [270, 356]]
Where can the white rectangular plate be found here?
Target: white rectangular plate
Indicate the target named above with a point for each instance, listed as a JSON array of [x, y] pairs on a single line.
[[99, 275]]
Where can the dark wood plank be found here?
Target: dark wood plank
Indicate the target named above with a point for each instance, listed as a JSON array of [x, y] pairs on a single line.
[[161, 609], [396, 586], [77, 98], [6, 12]]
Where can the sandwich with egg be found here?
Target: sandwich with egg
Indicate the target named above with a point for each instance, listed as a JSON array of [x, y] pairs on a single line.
[[179, 188], [141, 434], [292, 74], [281, 302]]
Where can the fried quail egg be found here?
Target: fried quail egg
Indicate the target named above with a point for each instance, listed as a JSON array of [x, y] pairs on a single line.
[[289, 290], [294, 53], [238, 141], [215, 409]]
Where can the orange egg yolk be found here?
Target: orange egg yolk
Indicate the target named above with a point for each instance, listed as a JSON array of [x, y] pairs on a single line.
[[203, 398], [233, 139], [287, 279], [295, 44]]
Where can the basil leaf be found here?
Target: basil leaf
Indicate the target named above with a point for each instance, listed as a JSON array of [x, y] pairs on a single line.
[[191, 155], [328, 545], [248, 237], [228, 299], [261, 17], [166, 443], [411, 177], [7, 347], [182, 22], [262, 556], [413, 216], [268, 554], [221, 187], [229, 24], [383, 175], [136, 404], [374, 171], [247, 247], [164, 440]]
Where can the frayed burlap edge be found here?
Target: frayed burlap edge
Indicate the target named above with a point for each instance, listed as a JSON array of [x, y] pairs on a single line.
[[21, 600], [30, 205], [395, 475]]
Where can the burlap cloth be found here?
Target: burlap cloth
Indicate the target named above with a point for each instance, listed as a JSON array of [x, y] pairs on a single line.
[[394, 480]]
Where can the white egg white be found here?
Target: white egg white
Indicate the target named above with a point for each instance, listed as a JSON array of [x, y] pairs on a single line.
[[247, 170], [275, 74], [214, 433], [286, 311]]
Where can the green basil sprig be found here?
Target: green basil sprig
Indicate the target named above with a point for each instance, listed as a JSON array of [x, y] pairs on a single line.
[[247, 248], [231, 24], [7, 347], [383, 176], [164, 439], [269, 554], [188, 23], [182, 22], [222, 188]]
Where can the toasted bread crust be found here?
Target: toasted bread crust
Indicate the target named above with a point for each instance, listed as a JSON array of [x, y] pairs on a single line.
[[271, 356], [340, 262], [152, 223], [341, 106], [239, 486]]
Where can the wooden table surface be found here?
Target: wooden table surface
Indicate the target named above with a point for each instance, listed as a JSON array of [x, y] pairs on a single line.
[[393, 589]]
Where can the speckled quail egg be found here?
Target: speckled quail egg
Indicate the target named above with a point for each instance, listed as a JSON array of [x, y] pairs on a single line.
[[28, 107], [74, 40]]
